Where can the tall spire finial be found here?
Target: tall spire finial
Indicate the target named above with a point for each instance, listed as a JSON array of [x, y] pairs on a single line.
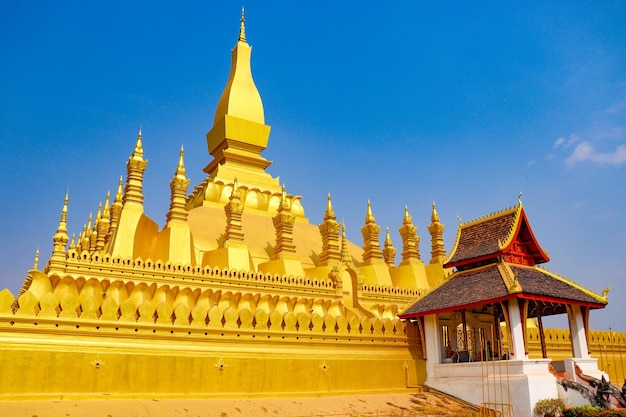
[[178, 188], [180, 170], [233, 210], [370, 232], [36, 262], [139, 145], [60, 239], [437, 248], [410, 240], [331, 249], [389, 252], [369, 216], [345, 254], [242, 27], [330, 213], [434, 217]]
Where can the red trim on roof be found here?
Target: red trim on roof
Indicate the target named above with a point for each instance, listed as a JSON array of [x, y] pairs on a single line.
[[539, 255], [500, 299]]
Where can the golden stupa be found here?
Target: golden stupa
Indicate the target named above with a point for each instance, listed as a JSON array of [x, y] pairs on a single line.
[[239, 295]]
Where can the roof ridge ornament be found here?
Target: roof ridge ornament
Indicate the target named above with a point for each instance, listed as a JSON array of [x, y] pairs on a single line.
[[242, 26]]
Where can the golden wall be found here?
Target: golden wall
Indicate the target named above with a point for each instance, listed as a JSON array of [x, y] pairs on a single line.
[[77, 347]]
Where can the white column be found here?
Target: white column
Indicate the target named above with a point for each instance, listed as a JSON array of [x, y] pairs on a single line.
[[577, 331], [433, 345], [518, 350]]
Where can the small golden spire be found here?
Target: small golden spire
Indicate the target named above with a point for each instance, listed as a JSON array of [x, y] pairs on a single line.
[[345, 255], [388, 238], [283, 199], [178, 188], [369, 217], [330, 231], [370, 232], [437, 248], [106, 213], [120, 193], [407, 217], [63, 222], [330, 213], [60, 239], [410, 240], [242, 27], [36, 262], [135, 167], [434, 217], [98, 215], [389, 252], [139, 145], [180, 170]]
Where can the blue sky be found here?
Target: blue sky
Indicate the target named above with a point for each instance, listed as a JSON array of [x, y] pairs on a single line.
[[463, 103]]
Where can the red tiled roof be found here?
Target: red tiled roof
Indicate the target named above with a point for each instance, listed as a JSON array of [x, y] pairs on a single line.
[[507, 233], [479, 239], [485, 285], [462, 290], [535, 281]]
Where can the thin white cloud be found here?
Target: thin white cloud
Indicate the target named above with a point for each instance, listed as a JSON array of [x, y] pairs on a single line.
[[573, 138], [559, 142], [585, 152]]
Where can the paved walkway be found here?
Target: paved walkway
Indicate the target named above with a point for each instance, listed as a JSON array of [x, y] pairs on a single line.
[[380, 405]]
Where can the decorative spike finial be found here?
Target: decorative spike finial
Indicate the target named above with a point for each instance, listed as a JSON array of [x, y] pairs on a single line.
[[283, 199], [180, 169], [330, 213], [178, 188], [120, 191], [330, 231], [135, 167], [519, 198], [242, 26], [233, 210], [98, 215], [283, 225], [370, 232], [389, 252], [407, 217], [36, 262], [63, 223], [434, 217], [139, 145], [106, 213], [345, 255], [410, 240], [369, 217], [61, 238]]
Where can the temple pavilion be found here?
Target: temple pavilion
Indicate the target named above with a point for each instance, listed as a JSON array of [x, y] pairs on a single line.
[[240, 294]]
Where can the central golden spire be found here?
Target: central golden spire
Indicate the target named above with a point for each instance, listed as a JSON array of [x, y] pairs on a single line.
[[240, 97], [239, 133]]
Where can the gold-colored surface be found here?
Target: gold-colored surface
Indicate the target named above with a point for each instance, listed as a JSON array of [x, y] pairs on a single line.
[[237, 295]]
